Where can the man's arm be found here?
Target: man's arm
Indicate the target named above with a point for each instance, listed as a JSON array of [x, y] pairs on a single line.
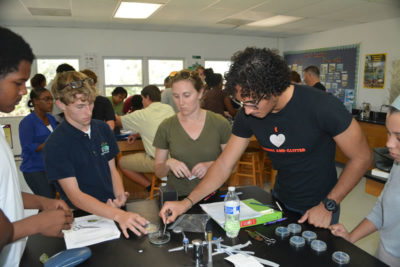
[[6, 230], [42, 203], [118, 187], [83, 201], [118, 122], [354, 145], [216, 175]]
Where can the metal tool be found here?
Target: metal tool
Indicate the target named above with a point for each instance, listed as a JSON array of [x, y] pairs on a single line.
[[166, 220], [79, 227], [178, 230]]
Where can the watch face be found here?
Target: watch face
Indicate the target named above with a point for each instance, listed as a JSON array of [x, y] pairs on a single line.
[[330, 204]]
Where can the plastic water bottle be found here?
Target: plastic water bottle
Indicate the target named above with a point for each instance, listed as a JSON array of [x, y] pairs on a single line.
[[232, 213]]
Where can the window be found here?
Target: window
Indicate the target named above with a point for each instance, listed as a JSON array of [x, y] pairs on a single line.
[[159, 69], [219, 66], [123, 72], [48, 66]]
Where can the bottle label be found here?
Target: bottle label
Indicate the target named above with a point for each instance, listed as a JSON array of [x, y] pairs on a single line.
[[232, 209]]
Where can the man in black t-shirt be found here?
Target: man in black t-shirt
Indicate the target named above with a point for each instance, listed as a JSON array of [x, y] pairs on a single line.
[[311, 78], [299, 128]]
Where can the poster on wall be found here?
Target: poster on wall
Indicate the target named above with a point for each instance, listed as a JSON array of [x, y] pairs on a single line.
[[7, 134], [338, 69], [374, 71]]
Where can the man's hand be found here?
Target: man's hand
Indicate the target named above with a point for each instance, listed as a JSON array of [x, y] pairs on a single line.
[[51, 222], [317, 216], [53, 204], [119, 201], [179, 168], [340, 230], [132, 221], [132, 138], [200, 169], [174, 209]]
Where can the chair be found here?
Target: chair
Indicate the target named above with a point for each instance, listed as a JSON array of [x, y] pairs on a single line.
[[155, 184], [249, 166]]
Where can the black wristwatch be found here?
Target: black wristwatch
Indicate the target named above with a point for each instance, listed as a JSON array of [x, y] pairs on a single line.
[[330, 204]]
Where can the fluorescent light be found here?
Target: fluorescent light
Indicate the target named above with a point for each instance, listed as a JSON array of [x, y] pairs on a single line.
[[274, 21], [132, 10]]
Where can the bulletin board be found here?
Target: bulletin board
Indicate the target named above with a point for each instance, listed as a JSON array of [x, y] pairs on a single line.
[[338, 68]]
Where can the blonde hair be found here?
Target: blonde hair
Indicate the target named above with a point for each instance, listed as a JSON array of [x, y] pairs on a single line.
[[66, 94], [189, 75]]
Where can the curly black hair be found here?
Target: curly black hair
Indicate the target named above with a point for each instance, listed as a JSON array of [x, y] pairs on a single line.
[[258, 71], [13, 50], [212, 79]]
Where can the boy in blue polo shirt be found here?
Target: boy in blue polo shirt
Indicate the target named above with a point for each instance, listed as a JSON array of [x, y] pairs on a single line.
[[79, 155]]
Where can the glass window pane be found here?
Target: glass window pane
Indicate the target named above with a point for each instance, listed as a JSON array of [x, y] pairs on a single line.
[[159, 69], [48, 66], [21, 109], [132, 90], [218, 66], [123, 71]]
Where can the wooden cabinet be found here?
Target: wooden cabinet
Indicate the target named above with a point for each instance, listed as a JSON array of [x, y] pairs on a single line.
[[376, 136]]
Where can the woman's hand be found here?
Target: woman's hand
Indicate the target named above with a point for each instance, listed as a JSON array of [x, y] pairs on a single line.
[[200, 169], [179, 168]]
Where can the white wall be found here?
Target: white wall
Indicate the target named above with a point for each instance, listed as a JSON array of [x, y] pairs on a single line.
[[377, 37], [73, 42]]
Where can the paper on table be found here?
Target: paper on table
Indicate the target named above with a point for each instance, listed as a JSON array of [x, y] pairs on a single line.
[[241, 260], [89, 230], [216, 211]]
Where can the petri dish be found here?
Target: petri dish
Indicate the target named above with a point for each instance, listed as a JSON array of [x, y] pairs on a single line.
[[281, 231], [309, 235], [158, 238], [297, 241], [340, 257], [318, 246], [294, 228], [151, 228]]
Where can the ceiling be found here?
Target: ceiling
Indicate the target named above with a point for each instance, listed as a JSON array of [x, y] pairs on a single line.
[[201, 16]]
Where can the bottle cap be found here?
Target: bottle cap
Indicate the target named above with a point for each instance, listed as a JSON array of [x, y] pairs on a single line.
[[294, 228], [340, 257], [231, 188], [297, 241], [318, 245]]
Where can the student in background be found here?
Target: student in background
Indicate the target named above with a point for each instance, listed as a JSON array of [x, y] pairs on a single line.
[[38, 81], [385, 215], [80, 156], [33, 132], [295, 77], [132, 103], [189, 142], [117, 99], [143, 123], [102, 109], [311, 78], [15, 67], [166, 95], [215, 99]]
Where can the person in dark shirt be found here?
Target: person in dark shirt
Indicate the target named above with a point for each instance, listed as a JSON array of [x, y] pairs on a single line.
[[311, 78], [102, 109]]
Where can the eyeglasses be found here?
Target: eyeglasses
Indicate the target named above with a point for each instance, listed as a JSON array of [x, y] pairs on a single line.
[[248, 104], [46, 99], [79, 84]]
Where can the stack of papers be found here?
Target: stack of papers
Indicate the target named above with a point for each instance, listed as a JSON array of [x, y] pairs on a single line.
[[89, 230], [216, 211]]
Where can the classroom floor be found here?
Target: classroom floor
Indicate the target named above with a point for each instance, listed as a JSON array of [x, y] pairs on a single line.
[[354, 208]]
